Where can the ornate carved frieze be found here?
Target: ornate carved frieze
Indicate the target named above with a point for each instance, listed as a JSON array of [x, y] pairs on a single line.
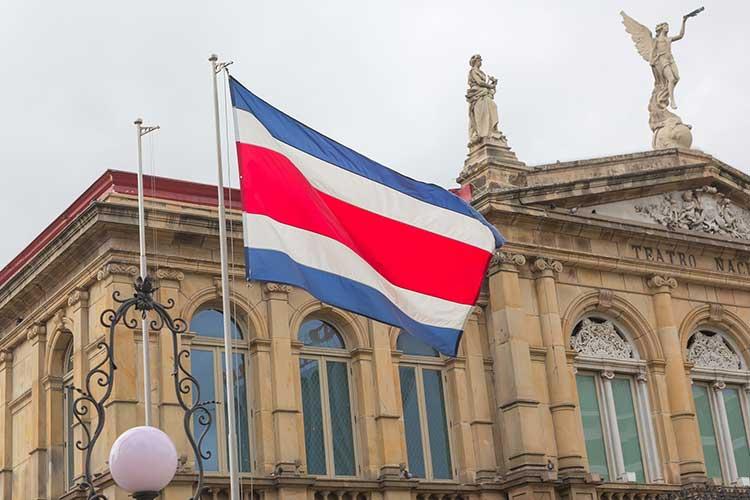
[[712, 351], [166, 273], [541, 264], [704, 210], [600, 340], [500, 257], [657, 281], [116, 268]]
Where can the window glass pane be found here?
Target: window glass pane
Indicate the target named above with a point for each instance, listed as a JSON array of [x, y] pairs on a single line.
[[341, 419], [210, 323], [626, 423], [706, 426], [592, 425], [202, 367], [313, 416], [437, 425], [240, 409], [737, 431], [316, 333], [412, 424], [410, 344]]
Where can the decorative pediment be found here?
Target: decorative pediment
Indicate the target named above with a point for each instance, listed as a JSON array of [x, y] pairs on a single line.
[[600, 340], [712, 351], [703, 210]]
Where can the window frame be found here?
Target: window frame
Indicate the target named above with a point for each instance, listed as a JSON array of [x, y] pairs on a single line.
[[634, 370], [435, 363], [716, 381], [322, 355], [215, 346]]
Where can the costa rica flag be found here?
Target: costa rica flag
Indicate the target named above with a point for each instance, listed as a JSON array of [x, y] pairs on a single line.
[[354, 233]]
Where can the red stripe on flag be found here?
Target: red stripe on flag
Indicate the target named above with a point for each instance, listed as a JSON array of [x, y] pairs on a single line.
[[407, 256]]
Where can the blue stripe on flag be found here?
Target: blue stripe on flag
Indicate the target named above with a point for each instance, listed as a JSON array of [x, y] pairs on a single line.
[[271, 265], [299, 136]]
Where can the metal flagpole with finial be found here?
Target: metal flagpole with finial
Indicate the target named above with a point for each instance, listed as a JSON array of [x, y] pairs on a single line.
[[234, 481], [140, 132]]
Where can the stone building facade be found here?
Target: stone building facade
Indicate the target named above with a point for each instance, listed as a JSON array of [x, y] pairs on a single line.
[[608, 356]]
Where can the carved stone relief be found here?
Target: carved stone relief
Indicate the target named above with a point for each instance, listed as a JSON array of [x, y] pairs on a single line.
[[600, 340], [712, 351]]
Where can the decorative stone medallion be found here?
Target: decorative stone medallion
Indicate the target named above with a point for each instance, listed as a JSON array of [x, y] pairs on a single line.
[[712, 351], [600, 340]]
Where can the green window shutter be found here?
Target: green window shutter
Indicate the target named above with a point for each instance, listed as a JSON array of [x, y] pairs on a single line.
[[626, 423], [412, 423], [341, 418], [313, 416], [733, 407], [202, 368], [240, 409], [706, 426], [437, 426], [592, 425]]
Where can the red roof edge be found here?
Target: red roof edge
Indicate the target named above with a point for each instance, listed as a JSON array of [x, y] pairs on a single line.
[[125, 183]]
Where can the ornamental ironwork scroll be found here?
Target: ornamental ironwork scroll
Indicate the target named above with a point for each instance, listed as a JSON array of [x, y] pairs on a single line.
[[99, 381]]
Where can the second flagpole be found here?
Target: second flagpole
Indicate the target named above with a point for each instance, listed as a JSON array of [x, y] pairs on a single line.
[[234, 480]]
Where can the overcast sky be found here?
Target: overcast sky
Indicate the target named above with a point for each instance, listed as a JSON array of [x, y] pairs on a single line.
[[384, 77]]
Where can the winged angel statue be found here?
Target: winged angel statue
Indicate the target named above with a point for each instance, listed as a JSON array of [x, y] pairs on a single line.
[[669, 131]]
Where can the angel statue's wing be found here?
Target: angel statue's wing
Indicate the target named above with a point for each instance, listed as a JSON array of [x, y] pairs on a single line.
[[641, 35]]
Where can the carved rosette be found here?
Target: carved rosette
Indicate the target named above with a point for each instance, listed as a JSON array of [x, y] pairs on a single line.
[[712, 351], [600, 340], [546, 266], [662, 282], [117, 268]]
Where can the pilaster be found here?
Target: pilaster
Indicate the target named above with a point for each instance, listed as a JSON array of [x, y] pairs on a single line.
[[518, 410], [568, 438], [460, 411], [366, 429], [286, 411], [6, 425], [78, 312], [37, 336], [683, 418]]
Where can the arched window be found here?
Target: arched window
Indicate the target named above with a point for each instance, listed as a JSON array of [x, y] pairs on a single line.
[[614, 404], [326, 401], [68, 398], [423, 400], [721, 405], [208, 366]]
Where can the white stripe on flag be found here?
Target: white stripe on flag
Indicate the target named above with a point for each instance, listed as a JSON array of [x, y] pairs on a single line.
[[326, 254], [364, 193]]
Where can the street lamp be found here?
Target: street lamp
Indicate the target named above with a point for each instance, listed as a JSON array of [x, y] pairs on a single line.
[[143, 461]]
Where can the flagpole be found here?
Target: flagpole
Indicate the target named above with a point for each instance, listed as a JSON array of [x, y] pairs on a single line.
[[140, 132], [234, 480]]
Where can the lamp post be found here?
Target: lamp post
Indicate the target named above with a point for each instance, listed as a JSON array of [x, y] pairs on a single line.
[[142, 457]]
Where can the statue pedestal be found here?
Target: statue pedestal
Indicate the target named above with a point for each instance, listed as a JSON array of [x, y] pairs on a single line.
[[492, 164]]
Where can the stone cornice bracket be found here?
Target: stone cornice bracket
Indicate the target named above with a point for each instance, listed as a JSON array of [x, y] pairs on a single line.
[[661, 283], [36, 331], [116, 268], [546, 267], [506, 261], [715, 312], [604, 301], [166, 273], [277, 290], [60, 321], [78, 296], [6, 356]]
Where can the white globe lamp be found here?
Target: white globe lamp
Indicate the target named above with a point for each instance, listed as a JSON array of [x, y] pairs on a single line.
[[143, 461]]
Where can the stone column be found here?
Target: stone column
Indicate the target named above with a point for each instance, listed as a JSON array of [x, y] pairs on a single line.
[[168, 414], [6, 425], [479, 399], [37, 336], [680, 400], [263, 444], [518, 411], [566, 424], [285, 406], [363, 381], [458, 406], [78, 312], [387, 408]]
